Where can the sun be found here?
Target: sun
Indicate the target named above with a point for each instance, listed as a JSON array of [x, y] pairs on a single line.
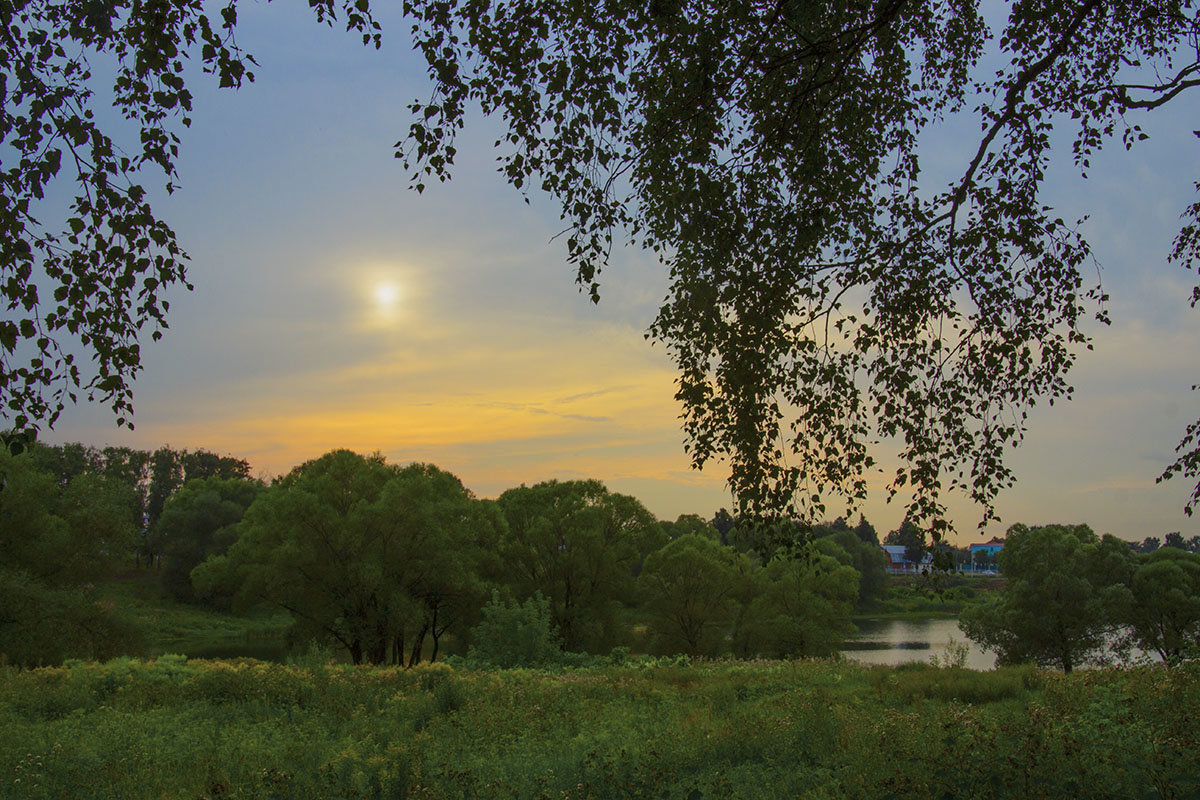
[[386, 295]]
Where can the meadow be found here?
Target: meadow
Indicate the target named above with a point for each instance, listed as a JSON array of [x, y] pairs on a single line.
[[645, 728], [166, 626]]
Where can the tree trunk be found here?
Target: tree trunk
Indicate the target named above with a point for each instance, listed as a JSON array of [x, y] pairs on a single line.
[[379, 645], [568, 642], [433, 630], [415, 656]]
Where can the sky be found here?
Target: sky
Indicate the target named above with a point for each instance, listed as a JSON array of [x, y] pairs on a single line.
[[334, 308]]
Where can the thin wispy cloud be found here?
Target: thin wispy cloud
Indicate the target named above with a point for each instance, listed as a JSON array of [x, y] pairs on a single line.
[[575, 398]]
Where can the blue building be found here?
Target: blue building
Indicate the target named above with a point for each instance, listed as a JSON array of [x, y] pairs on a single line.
[[984, 554]]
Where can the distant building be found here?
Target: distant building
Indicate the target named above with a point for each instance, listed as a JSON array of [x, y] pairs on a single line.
[[991, 547], [985, 552], [898, 563]]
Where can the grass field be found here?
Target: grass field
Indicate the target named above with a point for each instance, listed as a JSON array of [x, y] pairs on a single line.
[[174, 728], [170, 627]]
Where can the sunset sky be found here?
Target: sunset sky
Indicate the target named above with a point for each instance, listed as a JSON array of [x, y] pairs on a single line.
[[335, 308]]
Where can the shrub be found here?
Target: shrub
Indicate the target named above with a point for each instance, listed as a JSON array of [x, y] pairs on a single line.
[[448, 696], [916, 681], [516, 635], [314, 659], [432, 674]]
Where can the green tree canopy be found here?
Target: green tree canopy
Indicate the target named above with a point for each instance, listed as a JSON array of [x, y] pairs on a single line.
[[803, 605], [1161, 604], [353, 548], [692, 587], [54, 543], [581, 547], [765, 537], [149, 478], [724, 522], [1052, 609], [689, 523], [911, 537], [865, 531], [866, 557], [198, 521]]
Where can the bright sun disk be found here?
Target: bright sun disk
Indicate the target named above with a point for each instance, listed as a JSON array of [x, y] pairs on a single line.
[[386, 295]]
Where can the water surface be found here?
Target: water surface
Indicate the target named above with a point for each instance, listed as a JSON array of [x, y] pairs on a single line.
[[898, 641]]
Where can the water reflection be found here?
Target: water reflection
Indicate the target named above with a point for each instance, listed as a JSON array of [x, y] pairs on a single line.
[[898, 641]]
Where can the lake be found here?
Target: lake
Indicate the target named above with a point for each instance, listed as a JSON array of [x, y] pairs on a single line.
[[898, 641]]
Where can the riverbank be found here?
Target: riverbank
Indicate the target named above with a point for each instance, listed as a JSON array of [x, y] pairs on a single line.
[[166, 626], [920, 597], [173, 728]]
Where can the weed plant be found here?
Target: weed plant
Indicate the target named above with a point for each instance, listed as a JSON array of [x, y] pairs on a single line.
[[648, 728]]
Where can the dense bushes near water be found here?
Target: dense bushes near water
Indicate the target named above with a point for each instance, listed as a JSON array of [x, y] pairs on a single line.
[[906, 599], [650, 729]]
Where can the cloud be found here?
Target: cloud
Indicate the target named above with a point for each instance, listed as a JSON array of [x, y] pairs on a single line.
[[1132, 483], [590, 395]]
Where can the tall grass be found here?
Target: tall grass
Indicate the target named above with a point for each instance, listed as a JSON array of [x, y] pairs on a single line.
[[174, 728]]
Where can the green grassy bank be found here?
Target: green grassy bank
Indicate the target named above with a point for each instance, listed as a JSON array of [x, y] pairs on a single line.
[[825, 729], [909, 596], [167, 626]]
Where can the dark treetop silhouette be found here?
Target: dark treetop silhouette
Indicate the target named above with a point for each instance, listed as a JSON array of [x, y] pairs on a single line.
[[824, 295]]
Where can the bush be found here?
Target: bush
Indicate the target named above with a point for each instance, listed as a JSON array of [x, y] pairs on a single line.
[[915, 681], [516, 635], [448, 696], [315, 658], [45, 626]]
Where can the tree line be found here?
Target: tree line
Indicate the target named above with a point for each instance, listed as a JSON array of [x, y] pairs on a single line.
[[145, 479], [384, 561], [71, 515]]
